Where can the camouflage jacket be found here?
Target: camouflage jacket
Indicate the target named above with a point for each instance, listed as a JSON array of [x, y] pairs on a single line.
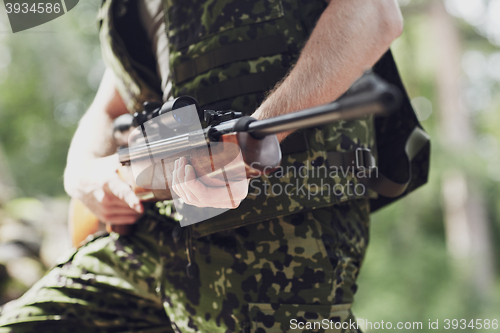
[[227, 54]]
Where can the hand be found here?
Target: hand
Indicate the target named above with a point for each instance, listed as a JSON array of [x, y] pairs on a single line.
[[194, 192], [99, 187]]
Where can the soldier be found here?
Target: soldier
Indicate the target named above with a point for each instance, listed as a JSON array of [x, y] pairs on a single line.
[[274, 262]]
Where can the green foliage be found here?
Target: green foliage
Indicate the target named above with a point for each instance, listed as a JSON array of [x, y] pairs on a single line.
[[408, 273], [50, 81]]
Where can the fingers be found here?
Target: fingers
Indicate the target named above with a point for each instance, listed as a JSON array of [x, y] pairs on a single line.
[[120, 219], [120, 229], [119, 204], [118, 193], [106, 195], [119, 210], [176, 181], [184, 181], [239, 189], [196, 193], [116, 213], [187, 176]]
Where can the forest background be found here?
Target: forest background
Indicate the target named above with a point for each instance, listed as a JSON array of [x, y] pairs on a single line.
[[432, 256]]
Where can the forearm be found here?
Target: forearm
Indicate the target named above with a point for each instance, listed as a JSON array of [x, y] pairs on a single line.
[[93, 137], [93, 140], [349, 38]]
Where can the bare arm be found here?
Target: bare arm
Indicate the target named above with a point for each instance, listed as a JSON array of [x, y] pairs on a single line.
[[349, 38], [90, 173], [98, 119]]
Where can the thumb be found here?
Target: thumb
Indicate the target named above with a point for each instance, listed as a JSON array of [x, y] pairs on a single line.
[[123, 191]]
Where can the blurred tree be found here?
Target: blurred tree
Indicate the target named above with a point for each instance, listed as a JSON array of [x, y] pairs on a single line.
[[432, 254], [465, 216], [48, 76]]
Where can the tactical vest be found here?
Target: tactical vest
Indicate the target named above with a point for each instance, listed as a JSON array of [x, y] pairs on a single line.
[[227, 55]]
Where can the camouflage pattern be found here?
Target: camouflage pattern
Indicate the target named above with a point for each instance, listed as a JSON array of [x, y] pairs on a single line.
[[305, 175], [275, 259], [134, 90], [251, 279], [197, 27]]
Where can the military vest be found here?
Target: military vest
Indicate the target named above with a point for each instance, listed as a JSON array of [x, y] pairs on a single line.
[[228, 54]]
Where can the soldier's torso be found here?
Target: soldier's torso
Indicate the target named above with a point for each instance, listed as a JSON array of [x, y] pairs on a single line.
[[228, 54], [234, 51]]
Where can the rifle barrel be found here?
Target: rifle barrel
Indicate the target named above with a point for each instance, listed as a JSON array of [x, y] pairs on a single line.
[[369, 95], [382, 101]]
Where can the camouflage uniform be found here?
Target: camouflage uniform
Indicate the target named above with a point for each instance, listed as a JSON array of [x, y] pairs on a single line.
[[252, 279], [274, 259]]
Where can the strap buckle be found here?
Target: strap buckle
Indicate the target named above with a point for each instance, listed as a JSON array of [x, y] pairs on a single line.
[[365, 159]]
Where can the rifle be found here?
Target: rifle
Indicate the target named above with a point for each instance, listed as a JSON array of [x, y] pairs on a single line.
[[163, 133]]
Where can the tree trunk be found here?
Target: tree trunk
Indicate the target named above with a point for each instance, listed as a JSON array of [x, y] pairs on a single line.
[[465, 215]]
